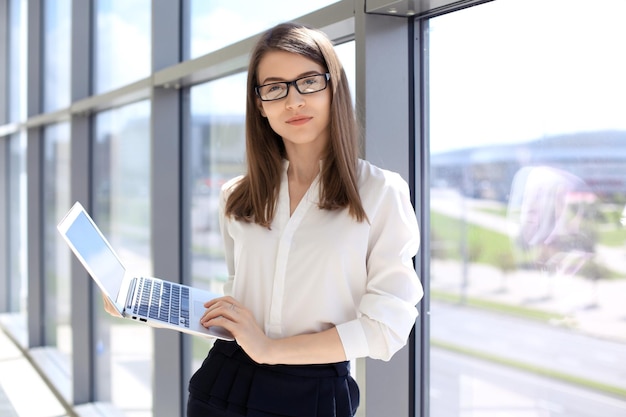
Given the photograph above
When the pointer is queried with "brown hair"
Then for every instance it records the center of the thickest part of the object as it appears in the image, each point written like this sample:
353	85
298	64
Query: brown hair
254	197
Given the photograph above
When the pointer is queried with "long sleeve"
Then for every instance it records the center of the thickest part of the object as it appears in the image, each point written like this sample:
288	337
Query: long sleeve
227	239
387	310
315	269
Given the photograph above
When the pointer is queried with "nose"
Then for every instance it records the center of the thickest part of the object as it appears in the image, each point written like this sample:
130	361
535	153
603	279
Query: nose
294	99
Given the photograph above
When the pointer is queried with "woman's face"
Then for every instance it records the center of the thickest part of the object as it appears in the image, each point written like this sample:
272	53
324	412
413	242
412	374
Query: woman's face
302	120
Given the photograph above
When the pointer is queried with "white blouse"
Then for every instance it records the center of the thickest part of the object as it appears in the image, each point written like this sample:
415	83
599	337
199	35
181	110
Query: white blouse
318	268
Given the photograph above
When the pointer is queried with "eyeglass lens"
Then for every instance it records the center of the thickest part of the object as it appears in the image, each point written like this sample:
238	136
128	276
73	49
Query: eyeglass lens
306	85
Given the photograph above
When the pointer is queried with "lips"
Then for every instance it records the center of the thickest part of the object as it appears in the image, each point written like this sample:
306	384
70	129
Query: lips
298	120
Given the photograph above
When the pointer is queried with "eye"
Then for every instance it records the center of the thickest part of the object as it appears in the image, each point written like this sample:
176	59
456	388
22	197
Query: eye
274	88
273	91
310	84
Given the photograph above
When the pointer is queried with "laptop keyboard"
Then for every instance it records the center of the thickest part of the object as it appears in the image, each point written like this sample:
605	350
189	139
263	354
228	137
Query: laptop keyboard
164	301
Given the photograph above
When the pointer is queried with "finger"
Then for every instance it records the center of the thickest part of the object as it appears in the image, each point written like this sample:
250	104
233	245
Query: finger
221	321
218	300
222	309
223	306
214	309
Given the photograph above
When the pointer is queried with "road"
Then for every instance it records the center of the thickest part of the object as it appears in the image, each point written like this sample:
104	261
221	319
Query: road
463	386
466	387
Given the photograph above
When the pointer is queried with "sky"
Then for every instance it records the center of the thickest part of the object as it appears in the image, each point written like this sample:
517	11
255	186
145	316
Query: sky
516	70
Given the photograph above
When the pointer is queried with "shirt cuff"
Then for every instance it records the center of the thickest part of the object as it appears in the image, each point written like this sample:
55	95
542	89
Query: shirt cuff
353	339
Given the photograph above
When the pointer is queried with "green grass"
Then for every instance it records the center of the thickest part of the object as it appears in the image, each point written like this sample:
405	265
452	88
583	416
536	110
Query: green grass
484	245
498	211
493	248
512	310
614	238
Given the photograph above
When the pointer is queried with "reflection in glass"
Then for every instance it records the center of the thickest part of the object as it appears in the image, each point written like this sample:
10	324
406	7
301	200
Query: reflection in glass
528	186
215	154
56	54
217	23
58	331
122	51
550	212
121	184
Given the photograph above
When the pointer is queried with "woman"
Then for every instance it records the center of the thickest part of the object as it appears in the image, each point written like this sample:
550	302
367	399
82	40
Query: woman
318	243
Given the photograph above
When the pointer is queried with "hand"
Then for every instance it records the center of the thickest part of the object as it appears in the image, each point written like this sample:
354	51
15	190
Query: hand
109	307
228	313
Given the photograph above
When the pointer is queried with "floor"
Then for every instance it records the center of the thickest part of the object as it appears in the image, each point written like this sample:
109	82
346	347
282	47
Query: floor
23	393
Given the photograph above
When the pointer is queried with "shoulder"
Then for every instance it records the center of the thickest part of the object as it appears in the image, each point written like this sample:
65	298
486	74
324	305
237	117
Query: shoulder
229	186
382	191
372	179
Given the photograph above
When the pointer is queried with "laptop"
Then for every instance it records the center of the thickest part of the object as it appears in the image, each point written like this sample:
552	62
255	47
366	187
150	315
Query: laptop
149	300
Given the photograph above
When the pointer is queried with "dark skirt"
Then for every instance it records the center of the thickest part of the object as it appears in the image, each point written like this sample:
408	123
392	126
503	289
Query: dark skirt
230	384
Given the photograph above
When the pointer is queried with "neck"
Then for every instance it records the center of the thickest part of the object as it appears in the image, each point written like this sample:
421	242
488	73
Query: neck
303	171
304	164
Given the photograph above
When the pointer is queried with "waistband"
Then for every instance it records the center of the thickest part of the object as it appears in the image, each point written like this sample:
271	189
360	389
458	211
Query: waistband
234	351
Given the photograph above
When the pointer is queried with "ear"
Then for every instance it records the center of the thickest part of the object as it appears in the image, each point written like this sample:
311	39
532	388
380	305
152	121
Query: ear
259	105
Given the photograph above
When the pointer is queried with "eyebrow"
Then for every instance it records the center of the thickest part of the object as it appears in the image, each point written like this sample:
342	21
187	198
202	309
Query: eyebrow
270	80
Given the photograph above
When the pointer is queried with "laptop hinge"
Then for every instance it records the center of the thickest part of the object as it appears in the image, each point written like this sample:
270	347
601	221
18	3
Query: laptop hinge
130	295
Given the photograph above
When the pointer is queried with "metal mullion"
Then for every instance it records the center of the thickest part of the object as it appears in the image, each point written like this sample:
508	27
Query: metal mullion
137	91
421	192
9	129
231	59
83	343
4	62
44	119
34	152
383	53
4	225
167	211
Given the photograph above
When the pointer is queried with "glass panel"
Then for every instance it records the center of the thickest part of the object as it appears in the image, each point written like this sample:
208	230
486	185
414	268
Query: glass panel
57	41
121	184
122	49
528	180
215	153
347	54
18	266
57	326
217	23
17	60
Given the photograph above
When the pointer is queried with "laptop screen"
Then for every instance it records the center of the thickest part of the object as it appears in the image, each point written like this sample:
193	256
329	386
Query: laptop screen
102	263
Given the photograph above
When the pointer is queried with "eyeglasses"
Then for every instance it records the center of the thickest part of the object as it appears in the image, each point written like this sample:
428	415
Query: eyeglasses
305	85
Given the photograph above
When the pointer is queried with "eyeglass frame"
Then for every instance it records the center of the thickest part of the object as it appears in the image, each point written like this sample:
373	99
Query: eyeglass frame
295	85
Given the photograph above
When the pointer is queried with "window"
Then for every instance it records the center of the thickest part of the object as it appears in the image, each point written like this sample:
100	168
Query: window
346	52
57	42
57	301
218	23
18	267
216	153
17	60
122	49
121	184
528	172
